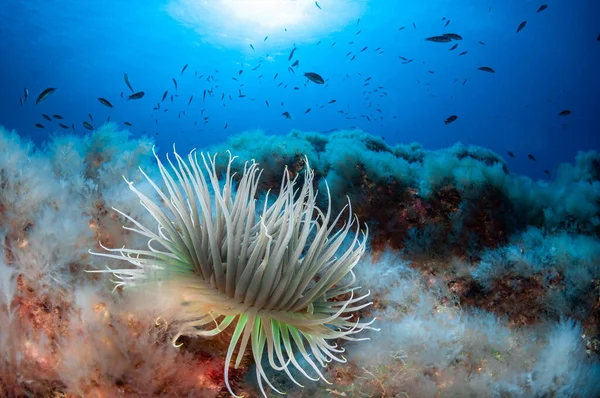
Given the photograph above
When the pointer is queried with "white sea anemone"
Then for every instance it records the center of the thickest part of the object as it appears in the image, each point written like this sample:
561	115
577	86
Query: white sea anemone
275	276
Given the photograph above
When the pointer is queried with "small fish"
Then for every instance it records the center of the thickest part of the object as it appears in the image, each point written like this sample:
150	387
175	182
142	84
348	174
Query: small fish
64	126
90	116
450	119
447	23
318	6
530	156
486	69
453	36
547	172
453	47
296	63
39	126
135	96
88	126
105	102
267	102
127	82
292	54
276	74
226	124
59	117
171	98
332	101
314	77
121	94
401	27
164	95
291	70
542	7
352	59
287	115
566	112
127	124
44	94
175	83
252	47
414	25
46	117
521	26
439	39
463	53
25	94
358	33
319	42
183	69
21	100
308	110
364	49
511	154
482	43
190	101
266	37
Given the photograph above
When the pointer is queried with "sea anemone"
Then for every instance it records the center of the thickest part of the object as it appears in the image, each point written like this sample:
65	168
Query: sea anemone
275	276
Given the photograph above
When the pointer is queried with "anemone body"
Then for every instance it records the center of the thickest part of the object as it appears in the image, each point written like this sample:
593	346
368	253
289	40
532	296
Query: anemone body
278	275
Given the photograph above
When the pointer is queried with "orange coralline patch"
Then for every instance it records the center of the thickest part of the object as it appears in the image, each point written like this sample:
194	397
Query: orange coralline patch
42	311
107	225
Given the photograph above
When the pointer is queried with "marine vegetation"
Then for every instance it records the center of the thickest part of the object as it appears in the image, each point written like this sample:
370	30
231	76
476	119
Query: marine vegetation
276	277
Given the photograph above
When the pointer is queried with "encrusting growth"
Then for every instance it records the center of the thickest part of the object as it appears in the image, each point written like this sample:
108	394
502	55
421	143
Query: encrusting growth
275	277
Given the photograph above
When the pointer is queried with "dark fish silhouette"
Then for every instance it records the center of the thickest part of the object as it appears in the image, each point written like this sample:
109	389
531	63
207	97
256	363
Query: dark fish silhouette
486	69
450	119
44	94
512	155
175	83
439	39
318	6
542	7
314	77
521	26
292	54
566	112
46	117
64	126
39	126
453	36
58	117
530	156
127	124
184	68
127	82
88	126
453	47
105	102
135	96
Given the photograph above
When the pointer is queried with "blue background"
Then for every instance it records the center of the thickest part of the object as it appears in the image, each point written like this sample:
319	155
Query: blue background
83	48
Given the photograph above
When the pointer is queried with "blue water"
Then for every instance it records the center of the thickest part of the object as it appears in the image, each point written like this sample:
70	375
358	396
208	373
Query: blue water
83	48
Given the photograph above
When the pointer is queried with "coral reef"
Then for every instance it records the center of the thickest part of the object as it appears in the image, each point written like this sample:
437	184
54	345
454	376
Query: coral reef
484	283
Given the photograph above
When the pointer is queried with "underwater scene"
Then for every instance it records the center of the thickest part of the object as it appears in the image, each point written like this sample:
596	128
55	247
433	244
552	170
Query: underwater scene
332	198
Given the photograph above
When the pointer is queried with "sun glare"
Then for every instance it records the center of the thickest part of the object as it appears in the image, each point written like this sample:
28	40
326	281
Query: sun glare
239	22
270	14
